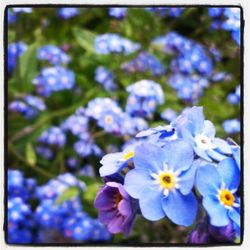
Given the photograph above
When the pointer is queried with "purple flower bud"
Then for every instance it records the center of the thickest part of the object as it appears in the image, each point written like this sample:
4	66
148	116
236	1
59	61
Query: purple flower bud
200	234
115	208
222	234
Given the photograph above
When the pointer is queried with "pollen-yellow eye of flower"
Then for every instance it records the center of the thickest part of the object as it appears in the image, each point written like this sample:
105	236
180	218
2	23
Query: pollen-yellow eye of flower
226	197
117	199
108	119
167	180
128	155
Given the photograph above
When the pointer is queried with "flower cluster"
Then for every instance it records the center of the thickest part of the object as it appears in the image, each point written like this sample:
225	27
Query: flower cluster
112	119
29	107
144	96
227	19
68	218
114	43
158	177
53	79
143	62
105	78
53	55
191	65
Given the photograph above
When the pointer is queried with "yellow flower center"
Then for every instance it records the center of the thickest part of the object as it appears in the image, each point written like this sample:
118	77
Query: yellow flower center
108	119
226	197
117	199
167	180
128	155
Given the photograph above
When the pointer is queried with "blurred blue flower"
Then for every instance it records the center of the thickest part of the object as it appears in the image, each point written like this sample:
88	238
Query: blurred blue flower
161	174
53	79
234	97
105	78
66	13
45	152
11	16
86	148
53	136
218	186
231	126
15	50
168	115
109	43
143	62
144	97
118	13
20	10
53	55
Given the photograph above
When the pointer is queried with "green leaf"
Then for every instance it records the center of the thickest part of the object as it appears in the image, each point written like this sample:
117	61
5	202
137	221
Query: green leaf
69	194
85	38
30	154
28	66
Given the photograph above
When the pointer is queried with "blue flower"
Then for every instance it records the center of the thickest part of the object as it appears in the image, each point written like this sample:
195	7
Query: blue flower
231	126
192	126
53	79
15	50
105	78
53	136
109	43
114	162
168	115
218	186
143	62
161	182
66	13
52	54
22	10
118	13
144	97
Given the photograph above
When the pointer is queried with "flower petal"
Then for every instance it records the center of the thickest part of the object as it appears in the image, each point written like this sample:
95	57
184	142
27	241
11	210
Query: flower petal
150	204
209	129
230	173
202	153
217	212
181	209
208	180
234	216
222	145
196	116
149	157
136	182
179	154
187	178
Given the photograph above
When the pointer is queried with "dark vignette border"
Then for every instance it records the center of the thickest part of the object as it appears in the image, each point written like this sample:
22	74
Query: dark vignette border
5	39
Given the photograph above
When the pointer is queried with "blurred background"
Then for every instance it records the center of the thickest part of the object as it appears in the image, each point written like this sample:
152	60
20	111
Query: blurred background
71	100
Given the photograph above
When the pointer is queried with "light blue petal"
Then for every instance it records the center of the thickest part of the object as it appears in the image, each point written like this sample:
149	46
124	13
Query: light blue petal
229	172
209	129
110	164
196	116
187	178
179	154
150	204
217	156
202	153
222	145
217	212
181	209
149	157
136	182
208	180
236	155
146	133
234	216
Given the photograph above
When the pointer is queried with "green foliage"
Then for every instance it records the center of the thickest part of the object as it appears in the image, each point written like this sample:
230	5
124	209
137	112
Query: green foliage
69	194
